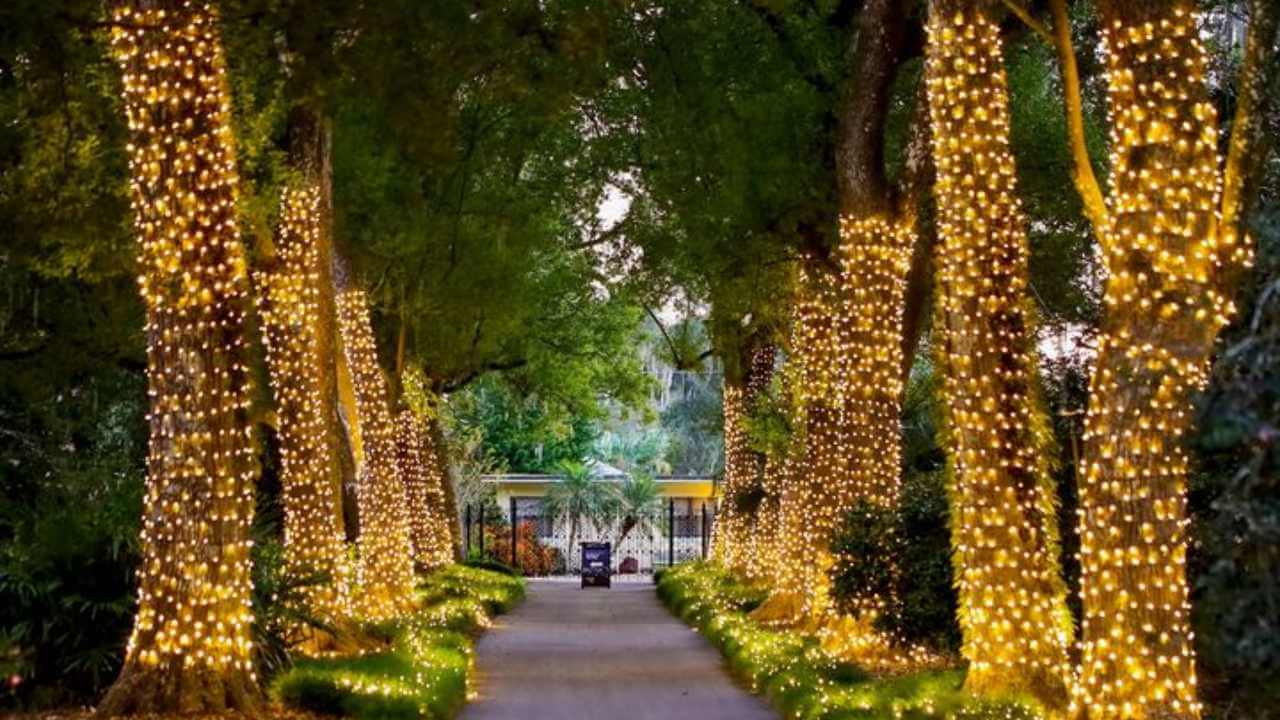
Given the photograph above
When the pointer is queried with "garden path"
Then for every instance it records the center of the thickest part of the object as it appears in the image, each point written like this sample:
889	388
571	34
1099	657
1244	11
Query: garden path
617	654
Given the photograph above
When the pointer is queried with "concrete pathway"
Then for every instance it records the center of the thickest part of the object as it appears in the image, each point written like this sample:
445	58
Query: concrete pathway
616	654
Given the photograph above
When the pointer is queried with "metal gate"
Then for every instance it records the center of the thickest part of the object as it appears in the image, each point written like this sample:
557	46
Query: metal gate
523	531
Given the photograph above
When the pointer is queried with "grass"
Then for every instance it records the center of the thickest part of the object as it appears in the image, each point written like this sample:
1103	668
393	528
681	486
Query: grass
800	679
422	672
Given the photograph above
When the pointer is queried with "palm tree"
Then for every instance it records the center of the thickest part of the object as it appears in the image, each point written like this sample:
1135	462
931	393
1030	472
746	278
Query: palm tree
638	503
577	496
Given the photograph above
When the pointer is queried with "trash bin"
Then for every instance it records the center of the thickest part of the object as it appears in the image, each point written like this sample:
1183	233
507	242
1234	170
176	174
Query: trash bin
597	564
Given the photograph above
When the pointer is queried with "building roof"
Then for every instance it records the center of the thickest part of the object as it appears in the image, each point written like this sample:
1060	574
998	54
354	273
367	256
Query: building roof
546	478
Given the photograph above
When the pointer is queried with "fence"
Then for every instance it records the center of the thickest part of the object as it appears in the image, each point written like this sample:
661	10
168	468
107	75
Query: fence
649	545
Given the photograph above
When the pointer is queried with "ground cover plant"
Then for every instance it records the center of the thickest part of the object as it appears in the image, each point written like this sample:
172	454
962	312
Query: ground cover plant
422	669
797	676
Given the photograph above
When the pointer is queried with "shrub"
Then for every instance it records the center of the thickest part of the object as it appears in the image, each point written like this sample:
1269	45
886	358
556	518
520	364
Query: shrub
797	676
485	563
906	556
532	557
422	673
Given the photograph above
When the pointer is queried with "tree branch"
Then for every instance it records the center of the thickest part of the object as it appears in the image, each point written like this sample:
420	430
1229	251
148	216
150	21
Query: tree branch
1095	207
1240	174
913	191
863	109
671	345
677	360
1029	20
466	378
605	237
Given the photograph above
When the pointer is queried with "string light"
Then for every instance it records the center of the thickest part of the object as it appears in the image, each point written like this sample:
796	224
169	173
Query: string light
194	583
848	350
1165	255
386	556
1012	600
429	528
424	402
742	465
289	305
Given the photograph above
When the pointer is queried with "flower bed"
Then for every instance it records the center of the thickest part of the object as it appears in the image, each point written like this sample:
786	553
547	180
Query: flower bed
795	674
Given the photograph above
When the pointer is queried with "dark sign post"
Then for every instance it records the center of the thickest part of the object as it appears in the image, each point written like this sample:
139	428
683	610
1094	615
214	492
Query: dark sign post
482	529
704	530
467	522
671	532
515	561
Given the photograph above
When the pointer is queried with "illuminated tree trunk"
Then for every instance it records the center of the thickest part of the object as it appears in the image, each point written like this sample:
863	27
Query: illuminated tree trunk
848	342
420	469
386	553
288	297
1013	610
1164	305
440	451
190	650
743	466
310	139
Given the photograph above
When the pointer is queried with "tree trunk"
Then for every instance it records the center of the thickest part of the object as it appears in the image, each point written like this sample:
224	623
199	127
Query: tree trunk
386	555
440	452
1165	302
742	465
310	138
1013	612
288	290
191	648
428	520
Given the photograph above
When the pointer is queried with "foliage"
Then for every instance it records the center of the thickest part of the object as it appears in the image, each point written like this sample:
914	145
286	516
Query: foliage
641	451
532	557
498	592
522	432
578	496
1236	493
865	547
694	425
796	675
422	673
493	565
71	473
639	503
280	619
918	583
768	421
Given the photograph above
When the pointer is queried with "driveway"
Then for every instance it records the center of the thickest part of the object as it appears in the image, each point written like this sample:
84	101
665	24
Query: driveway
615	654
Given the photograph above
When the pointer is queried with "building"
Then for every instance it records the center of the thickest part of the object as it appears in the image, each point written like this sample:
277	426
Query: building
682	528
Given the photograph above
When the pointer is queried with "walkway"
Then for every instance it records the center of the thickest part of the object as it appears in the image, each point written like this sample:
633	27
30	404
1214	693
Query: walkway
615	654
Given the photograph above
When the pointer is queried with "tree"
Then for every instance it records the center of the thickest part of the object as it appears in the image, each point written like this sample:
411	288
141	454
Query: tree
289	306
1169	232
577	496
430	516
190	650
744	466
1013	612
386	551
639	503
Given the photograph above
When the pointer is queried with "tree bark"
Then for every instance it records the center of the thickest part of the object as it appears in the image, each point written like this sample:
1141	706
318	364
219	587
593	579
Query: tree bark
1171	270
429	522
310	141
288	286
386	555
1012	599
849	382
440	450
742	465
191	649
